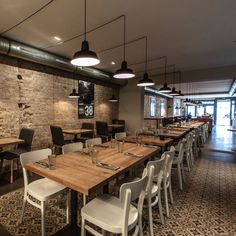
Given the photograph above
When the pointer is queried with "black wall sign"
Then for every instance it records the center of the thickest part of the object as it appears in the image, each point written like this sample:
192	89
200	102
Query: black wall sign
86	100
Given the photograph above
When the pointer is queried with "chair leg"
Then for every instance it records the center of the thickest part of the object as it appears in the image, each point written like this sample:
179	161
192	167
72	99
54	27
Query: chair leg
180	177
188	161
170	192
1	166
68	208
84	199
150	217
160	208
82	227
166	200
182	171
43	218
23	207
12	171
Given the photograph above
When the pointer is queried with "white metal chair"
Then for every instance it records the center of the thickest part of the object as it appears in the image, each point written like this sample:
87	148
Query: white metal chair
167	178
120	135
178	164
93	141
117	215
72	147
43	189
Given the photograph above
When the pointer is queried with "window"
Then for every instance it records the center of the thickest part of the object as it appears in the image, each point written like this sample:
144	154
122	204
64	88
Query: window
152	106
163	110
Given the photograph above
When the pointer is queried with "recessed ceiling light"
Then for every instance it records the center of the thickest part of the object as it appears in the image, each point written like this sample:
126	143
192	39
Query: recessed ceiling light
57	38
113	63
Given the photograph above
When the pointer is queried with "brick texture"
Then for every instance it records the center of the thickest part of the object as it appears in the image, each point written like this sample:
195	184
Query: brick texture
40	99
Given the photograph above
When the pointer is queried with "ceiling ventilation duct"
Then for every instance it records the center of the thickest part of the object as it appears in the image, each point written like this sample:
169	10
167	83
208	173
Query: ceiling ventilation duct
29	53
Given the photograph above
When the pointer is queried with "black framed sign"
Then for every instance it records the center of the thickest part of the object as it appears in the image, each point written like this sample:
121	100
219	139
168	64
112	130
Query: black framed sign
86	100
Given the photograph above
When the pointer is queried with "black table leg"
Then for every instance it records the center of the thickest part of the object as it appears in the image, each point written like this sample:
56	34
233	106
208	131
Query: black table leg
72	229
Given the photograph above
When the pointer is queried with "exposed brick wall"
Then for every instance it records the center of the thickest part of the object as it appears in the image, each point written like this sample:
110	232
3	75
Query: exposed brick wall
47	98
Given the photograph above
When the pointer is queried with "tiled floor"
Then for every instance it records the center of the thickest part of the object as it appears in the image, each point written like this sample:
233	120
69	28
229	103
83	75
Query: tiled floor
206	206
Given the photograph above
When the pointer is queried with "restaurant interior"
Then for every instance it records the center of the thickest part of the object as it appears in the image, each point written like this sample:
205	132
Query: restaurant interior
117	118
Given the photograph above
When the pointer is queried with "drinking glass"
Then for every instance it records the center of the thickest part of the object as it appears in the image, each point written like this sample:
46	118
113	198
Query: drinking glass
52	162
113	143
94	156
120	146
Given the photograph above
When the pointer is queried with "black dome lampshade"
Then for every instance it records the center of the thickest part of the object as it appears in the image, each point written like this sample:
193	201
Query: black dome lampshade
74	94
173	92
146	81
165	88
113	99
85	57
124	72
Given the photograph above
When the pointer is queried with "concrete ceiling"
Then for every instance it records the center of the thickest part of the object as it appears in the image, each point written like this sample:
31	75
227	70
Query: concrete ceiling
194	35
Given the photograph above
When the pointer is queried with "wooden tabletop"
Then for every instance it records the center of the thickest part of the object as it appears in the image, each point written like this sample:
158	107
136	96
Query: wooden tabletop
151	140
170	133
116	125
76	171
194	124
10	141
76	131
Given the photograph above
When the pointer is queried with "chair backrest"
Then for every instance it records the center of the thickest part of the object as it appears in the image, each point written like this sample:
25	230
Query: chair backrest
169	160
93	141
72	147
57	135
27	135
120	135
87	125
102	128
181	151
159	166
33	157
132	191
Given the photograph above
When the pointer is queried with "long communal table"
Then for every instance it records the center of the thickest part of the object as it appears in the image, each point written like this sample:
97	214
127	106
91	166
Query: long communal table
76	171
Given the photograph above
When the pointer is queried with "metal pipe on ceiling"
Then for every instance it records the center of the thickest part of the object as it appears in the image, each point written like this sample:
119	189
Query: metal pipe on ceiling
19	50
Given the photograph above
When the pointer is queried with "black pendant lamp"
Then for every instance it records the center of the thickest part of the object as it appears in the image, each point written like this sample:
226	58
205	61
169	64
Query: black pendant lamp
165	88
124	72
73	94
146	81
113	98
180	93
173	91
85	57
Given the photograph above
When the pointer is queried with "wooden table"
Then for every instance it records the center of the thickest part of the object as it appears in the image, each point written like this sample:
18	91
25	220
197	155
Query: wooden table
170	133
76	171
195	124
10	141
151	140
116	126
75	132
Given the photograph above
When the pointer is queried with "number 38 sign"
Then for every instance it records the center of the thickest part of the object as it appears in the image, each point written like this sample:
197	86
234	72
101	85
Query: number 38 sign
86	100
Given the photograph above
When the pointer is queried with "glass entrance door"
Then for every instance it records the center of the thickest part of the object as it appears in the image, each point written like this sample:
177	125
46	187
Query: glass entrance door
223	112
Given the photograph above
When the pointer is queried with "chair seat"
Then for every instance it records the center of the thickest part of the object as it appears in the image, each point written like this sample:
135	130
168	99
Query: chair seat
44	189
107	212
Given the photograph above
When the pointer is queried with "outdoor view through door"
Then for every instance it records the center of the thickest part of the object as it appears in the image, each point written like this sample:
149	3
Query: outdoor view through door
223	112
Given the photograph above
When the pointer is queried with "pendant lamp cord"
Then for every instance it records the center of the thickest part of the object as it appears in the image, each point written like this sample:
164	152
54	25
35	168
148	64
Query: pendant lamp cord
85	18
180	80
165	67
146	53
173	75
124	37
